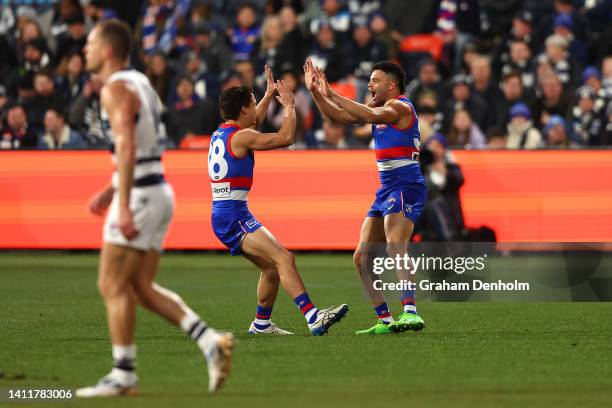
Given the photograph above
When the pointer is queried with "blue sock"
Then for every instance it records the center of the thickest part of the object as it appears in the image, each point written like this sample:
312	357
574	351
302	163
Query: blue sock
262	318
382	311
408	301
306	307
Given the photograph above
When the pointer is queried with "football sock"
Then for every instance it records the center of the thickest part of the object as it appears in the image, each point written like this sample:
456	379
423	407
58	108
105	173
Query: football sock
382	311
306	307
408	301
262	318
124	362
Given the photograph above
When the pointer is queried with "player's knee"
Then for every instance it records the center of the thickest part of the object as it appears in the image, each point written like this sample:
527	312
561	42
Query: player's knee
284	257
144	293
272	274
110	288
357	255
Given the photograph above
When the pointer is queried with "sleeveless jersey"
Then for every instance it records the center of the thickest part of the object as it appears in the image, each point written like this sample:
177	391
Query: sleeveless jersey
397	151
230	177
150	133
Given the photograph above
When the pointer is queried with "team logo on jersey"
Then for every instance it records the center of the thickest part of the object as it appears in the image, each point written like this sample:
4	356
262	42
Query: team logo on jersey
220	190
381	126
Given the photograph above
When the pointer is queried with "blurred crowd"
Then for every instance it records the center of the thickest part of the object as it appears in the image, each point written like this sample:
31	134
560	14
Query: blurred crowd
513	74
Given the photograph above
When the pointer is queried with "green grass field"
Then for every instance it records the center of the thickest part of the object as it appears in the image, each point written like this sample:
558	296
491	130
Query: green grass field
53	335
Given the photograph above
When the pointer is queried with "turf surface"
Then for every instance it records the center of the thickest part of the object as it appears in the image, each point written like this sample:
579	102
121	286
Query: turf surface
53	335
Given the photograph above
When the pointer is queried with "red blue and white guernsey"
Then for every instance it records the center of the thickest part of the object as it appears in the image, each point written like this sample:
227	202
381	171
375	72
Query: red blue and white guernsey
231	178
397	157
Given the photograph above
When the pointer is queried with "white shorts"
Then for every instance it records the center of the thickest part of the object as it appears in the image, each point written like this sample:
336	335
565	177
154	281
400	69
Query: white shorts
152	209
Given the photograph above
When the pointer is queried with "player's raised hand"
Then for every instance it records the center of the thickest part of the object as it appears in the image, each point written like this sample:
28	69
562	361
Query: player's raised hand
309	75
270	84
285	96
322	83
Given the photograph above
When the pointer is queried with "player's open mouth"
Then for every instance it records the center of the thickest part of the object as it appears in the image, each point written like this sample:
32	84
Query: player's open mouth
373	94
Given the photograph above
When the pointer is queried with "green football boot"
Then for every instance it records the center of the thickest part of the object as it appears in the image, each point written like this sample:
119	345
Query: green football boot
383	328
413	321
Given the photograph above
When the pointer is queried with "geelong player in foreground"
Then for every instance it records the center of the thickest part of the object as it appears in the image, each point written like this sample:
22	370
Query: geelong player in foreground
141	206
230	166
400	199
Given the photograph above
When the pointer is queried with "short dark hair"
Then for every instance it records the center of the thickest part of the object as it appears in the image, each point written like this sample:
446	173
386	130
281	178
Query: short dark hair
233	100
119	35
58	110
391	68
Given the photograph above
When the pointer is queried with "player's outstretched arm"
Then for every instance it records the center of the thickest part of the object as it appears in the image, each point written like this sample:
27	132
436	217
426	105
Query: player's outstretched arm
325	105
391	112
250	139
122	106
262	106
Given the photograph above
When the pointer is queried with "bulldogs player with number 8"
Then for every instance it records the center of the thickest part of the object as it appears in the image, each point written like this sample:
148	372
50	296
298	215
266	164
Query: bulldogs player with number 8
230	166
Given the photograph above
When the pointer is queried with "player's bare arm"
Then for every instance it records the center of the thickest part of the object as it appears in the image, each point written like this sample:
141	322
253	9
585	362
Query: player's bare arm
250	139
393	111
326	106
122	106
262	106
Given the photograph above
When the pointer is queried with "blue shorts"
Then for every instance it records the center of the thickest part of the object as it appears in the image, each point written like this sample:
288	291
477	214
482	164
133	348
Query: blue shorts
232	227
407	198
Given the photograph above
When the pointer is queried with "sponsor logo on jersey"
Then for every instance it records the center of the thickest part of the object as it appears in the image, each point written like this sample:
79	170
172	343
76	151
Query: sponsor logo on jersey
381	126
221	190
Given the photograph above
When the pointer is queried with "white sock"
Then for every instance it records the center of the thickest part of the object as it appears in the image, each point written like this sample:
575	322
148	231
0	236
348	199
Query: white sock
124	362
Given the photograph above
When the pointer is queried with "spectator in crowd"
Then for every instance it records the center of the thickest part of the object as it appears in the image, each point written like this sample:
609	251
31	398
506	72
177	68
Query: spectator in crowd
464	133
429	111
564	25
193	39
556	133
327	54
587	124
521	62
442	218
295	42
58	135
3	104
428	80
557	56
552	101
364	52
512	93
483	84
70	76
73	39
383	34
567	7
522	31
44	98
245	33
332	136
462	98
496	138
17	134
35	58
190	115
84	115
521	132
333	15
160	75
270	49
